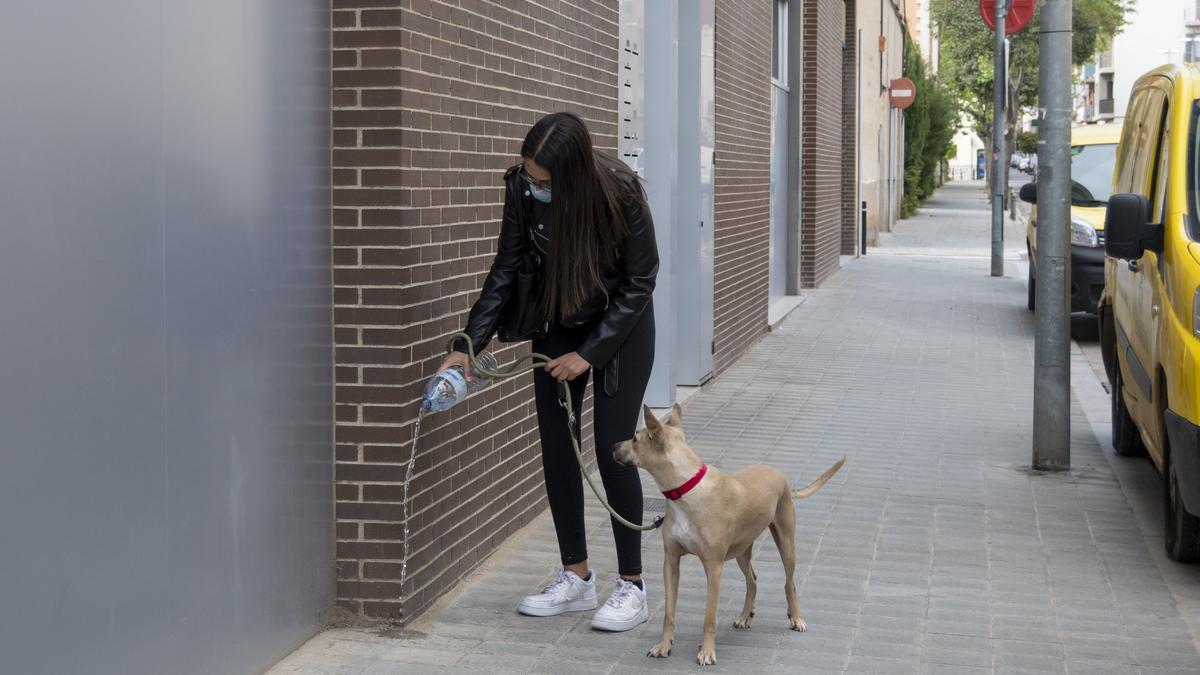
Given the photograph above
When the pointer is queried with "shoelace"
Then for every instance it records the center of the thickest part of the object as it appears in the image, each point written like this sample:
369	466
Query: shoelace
622	591
558	583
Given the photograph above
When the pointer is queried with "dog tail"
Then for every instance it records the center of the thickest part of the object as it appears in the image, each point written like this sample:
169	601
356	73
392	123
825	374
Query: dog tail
819	482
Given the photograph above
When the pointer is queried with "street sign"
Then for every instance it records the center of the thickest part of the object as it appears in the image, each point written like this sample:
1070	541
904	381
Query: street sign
1019	14
902	92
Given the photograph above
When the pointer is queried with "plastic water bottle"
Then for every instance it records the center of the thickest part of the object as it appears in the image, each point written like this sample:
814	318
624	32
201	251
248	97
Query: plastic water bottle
451	386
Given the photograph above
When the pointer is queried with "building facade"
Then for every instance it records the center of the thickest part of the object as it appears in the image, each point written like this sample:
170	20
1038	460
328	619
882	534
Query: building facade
918	16
881	30
167	406
722	106
1156	32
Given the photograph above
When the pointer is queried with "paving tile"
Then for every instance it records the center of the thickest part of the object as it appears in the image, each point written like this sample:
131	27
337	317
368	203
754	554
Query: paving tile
932	551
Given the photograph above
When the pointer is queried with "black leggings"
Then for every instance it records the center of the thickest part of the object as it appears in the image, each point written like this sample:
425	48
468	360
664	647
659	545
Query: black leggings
615	420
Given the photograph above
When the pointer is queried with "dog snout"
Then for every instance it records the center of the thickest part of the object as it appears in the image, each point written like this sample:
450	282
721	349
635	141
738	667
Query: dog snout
618	453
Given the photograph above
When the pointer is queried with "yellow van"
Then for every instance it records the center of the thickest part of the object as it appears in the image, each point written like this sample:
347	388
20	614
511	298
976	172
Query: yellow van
1150	310
1093	153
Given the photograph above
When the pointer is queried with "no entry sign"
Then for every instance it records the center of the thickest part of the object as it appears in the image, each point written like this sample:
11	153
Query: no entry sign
902	92
1019	14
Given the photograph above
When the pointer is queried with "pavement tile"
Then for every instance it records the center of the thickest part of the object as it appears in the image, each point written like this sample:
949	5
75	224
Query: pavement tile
932	551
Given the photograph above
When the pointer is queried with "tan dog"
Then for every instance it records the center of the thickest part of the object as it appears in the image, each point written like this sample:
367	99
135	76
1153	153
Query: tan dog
716	517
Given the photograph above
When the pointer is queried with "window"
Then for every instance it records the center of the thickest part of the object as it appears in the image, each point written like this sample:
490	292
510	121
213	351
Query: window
779	44
1159	180
1092	172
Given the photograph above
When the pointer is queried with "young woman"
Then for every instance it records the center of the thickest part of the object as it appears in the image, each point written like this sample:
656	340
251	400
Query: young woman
574	272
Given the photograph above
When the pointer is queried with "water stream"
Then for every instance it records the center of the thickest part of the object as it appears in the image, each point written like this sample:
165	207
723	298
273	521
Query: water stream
404	504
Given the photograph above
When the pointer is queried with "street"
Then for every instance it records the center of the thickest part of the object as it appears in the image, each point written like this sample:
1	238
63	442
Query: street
935	550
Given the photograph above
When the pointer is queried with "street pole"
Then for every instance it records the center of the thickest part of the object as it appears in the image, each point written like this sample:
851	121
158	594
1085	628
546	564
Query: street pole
998	160
1052	364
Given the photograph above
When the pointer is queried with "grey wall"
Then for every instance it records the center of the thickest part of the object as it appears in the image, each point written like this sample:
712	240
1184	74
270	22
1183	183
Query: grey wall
165	347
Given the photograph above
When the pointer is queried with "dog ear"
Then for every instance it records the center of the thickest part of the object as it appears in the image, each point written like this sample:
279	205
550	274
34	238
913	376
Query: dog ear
675	417
652	422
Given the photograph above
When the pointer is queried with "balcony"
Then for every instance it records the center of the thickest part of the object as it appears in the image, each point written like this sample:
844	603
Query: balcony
1105	107
1104	62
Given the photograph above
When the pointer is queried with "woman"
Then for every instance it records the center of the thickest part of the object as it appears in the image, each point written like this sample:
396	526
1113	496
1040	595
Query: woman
574	272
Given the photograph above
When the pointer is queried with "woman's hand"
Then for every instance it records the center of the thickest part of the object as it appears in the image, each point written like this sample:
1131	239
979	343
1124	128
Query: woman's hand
457	359
567	367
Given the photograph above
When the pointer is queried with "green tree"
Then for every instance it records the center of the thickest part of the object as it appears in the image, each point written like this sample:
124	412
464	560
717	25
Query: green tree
929	125
966	67
1027	142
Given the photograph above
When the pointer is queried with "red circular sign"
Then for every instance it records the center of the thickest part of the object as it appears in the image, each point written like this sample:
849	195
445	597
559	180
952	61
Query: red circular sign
902	92
1019	14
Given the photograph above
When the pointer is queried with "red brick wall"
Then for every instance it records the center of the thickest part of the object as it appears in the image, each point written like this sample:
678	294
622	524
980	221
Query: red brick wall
431	100
743	175
821	144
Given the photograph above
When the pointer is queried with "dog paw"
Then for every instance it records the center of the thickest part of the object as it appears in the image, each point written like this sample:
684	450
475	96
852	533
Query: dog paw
798	624
659	651
706	657
743	622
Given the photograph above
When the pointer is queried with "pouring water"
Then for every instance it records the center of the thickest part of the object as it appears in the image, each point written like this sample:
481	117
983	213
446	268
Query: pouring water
445	389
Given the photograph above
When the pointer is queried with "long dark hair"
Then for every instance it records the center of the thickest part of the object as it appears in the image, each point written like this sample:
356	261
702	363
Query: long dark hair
589	191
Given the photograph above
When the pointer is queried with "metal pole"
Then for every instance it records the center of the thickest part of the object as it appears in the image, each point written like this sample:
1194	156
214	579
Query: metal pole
998	89
863	226
1052	359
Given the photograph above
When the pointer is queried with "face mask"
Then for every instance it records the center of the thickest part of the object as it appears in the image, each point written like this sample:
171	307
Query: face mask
539	194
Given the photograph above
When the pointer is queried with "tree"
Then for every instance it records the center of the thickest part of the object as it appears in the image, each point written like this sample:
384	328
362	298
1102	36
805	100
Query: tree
928	130
1027	142
966	55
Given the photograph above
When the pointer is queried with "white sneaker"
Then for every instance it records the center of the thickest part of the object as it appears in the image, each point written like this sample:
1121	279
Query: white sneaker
568	593
625	609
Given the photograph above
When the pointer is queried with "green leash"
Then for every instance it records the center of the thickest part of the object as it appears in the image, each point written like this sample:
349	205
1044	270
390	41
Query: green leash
537	361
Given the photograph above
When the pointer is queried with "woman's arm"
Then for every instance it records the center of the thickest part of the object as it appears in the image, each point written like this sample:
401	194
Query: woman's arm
485	314
638	266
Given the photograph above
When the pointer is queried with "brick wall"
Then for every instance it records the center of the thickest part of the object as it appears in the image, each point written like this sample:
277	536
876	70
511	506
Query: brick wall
850	130
431	100
743	175
821	143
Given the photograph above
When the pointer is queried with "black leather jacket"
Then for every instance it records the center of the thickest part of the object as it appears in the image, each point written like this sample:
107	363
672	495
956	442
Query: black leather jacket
614	310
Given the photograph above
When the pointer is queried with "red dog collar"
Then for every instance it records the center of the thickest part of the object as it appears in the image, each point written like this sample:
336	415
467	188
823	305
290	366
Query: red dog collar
686	487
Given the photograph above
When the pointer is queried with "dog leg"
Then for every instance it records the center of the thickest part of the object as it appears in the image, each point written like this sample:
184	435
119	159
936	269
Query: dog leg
784	534
713	567
743	560
671	587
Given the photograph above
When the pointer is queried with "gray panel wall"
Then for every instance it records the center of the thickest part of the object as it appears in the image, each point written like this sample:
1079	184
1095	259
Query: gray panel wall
165	347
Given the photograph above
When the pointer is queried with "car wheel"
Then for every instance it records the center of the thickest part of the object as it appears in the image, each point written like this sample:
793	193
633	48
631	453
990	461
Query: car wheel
1030	302
1125	438
1181	529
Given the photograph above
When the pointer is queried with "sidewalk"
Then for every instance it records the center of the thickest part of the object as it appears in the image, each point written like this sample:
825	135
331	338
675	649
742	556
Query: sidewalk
935	550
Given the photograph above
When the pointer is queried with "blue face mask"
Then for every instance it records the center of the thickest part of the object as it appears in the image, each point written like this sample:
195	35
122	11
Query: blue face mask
539	194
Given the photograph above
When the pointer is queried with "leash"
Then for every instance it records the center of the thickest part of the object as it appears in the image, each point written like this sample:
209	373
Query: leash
538	361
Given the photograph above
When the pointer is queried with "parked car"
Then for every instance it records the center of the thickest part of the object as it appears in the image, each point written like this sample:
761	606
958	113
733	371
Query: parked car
1093	155
1150	309
1015	160
1023	163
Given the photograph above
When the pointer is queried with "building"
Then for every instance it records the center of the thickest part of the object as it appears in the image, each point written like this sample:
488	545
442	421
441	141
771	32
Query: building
721	107
881	30
1171	28
167	401
969	161
918	16
252	232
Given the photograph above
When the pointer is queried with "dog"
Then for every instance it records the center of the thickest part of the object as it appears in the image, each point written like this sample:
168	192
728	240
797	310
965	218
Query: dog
716	517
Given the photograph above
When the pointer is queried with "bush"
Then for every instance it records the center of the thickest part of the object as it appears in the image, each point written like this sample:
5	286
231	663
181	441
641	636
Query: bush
929	125
1027	143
